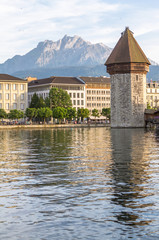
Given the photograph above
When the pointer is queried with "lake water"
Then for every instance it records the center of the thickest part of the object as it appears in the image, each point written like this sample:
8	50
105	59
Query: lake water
90	183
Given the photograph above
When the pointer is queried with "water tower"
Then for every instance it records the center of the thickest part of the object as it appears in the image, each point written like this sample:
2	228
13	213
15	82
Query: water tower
127	66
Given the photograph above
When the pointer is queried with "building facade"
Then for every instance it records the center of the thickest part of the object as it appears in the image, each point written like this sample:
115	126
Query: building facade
127	66
85	92
97	93
152	94
75	87
13	93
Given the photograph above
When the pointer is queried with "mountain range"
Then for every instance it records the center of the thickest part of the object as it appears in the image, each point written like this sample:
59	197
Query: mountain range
69	56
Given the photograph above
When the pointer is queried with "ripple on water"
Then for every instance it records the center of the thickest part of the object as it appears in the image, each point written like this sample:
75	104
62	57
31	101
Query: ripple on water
79	184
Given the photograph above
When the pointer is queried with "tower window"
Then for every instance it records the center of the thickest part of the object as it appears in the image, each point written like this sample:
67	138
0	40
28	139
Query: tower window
137	77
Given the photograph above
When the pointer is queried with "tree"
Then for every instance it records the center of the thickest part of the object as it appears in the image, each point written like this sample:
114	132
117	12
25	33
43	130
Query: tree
44	113
47	102
31	113
106	112
59	113
95	113
37	102
15	114
83	113
59	98
41	102
3	114
71	113
148	106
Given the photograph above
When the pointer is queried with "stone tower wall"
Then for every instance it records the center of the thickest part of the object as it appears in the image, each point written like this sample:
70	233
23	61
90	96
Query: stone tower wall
128	100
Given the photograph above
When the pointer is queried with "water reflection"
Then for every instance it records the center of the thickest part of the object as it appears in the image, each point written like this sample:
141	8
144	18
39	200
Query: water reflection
92	183
130	171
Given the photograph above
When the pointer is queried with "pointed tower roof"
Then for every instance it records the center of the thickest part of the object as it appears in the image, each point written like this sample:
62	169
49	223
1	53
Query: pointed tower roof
127	50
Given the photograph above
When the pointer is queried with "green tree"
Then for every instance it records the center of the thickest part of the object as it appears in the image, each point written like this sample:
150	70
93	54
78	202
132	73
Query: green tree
3	114
106	112
15	114
148	106
59	98
41	102
44	113
60	113
37	102
71	113
31	113
47	102
83	113
95	113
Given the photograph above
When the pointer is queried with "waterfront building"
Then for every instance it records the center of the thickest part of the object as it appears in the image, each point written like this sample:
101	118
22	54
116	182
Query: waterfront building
74	86
13	93
127	66
152	94
97	93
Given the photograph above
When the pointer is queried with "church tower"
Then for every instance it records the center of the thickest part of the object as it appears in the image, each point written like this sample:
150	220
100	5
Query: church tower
127	66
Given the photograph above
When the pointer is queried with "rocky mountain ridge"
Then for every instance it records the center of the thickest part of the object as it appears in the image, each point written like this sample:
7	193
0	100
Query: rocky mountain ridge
69	56
68	51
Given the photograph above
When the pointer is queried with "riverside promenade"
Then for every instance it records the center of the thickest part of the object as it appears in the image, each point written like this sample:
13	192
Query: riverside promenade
47	126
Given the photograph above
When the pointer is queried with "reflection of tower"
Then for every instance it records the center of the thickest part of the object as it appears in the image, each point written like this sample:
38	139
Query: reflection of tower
130	176
127	66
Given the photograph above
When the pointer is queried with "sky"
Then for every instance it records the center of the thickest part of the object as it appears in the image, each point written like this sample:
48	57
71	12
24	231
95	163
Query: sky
25	23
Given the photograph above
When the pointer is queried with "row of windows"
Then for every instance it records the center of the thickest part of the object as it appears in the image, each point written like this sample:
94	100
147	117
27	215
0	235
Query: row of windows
69	87
78	102
152	97
43	95
14	86
14	106
78	95
153	90
98	105
98	98
7	96
97	92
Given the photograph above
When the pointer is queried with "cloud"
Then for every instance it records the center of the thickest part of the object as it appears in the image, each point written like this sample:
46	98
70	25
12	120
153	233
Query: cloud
25	23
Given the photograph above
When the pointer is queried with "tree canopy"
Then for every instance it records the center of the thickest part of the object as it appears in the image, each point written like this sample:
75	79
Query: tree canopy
71	113
106	112
3	113
59	113
59	98
44	113
15	114
83	113
31	113
95	113
37	102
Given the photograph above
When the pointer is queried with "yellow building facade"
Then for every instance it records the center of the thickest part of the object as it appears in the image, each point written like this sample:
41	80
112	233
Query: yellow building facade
13	93
152	94
97	93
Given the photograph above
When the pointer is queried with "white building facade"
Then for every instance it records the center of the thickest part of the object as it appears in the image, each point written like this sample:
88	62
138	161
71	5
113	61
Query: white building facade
75	87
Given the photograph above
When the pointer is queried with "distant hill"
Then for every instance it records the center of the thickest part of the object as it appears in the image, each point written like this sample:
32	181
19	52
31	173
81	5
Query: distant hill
98	70
69	56
94	71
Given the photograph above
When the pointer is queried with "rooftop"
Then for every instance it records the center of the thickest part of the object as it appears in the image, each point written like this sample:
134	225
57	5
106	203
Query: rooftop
6	77
96	79
127	50
56	80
